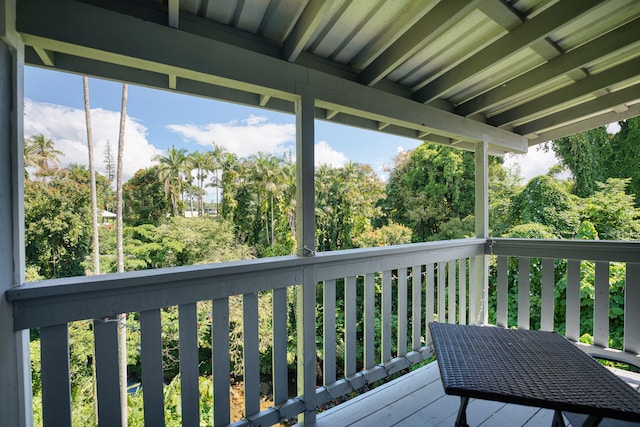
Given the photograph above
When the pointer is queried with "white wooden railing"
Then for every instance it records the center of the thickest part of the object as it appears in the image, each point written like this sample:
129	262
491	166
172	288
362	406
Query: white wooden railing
445	291
573	252
51	305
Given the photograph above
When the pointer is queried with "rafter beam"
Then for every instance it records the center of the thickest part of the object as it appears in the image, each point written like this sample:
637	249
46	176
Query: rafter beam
590	123
427	29
609	101
264	99
46	56
589	85
563	64
174	13
306	26
520	38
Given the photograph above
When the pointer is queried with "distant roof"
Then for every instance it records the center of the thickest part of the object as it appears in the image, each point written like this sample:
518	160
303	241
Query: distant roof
107	214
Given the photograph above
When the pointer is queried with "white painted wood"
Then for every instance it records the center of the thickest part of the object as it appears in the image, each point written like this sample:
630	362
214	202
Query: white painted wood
220	361
548	284
305	193
151	358
524	293
386	316
107	378
329	331
350	317
631	312
453	292
306	321
442	296
573	300
250	354
502	300
280	341
601	305
402	311
462	291
15	367
430	299
369	321
416	300
474	309
54	374
189	372
480	285
568	249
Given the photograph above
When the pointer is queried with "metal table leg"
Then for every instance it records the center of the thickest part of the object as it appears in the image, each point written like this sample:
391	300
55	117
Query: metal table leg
461	421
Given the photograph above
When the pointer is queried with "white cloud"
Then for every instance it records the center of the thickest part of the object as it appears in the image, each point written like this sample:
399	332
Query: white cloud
67	127
244	138
326	155
534	163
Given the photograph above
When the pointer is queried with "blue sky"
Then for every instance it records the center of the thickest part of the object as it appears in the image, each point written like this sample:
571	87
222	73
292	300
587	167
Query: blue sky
157	120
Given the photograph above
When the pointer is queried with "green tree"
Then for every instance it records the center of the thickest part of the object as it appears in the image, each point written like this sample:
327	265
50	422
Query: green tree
144	199
40	152
430	186
170	173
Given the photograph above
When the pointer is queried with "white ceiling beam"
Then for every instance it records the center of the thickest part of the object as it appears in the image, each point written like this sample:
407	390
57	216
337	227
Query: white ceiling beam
264	99
590	123
174	13
173	81
609	101
331	114
147	46
594	84
520	38
311	18
46	56
563	64
427	29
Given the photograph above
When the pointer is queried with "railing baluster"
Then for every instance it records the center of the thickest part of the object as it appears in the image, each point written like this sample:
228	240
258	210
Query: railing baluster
631	312
329	331
548	283
280	340
473	292
369	321
601	305
220	353
386	316
189	372
107	372
462	290
54	374
151	355
430	299
573	300
416	313
251	354
350	325
502	300
402	311
452	291
442	296
524	293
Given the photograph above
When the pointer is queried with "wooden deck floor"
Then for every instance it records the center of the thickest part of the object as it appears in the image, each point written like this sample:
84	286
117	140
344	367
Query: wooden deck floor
418	399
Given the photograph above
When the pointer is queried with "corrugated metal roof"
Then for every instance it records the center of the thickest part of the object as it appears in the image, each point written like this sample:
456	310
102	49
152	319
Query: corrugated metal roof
538	68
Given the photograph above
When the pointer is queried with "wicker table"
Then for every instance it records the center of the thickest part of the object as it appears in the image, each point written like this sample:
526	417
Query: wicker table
533	368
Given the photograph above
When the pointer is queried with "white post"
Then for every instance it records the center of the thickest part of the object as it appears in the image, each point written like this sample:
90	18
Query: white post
15	368
479	313
305	236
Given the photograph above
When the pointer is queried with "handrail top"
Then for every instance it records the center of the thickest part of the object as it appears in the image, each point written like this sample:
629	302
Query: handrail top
141	278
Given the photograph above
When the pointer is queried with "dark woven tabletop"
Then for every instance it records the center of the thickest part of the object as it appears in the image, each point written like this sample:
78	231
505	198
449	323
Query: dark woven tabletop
534	368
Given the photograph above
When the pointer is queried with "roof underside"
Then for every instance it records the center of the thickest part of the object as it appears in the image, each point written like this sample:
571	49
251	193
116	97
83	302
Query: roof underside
511	73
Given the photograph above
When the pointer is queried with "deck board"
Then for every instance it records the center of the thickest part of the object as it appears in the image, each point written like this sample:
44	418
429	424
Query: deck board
418	399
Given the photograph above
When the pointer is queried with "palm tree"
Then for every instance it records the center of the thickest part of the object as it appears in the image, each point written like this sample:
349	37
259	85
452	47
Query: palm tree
40	153
267	176
170	174
122	318
92	173
218	157
202	162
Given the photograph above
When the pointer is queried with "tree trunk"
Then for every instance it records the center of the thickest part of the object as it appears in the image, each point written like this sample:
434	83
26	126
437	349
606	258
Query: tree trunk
94	212
122	318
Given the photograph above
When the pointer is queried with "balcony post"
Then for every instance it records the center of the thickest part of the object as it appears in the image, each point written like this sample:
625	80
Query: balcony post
15	366
478	303
306	238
